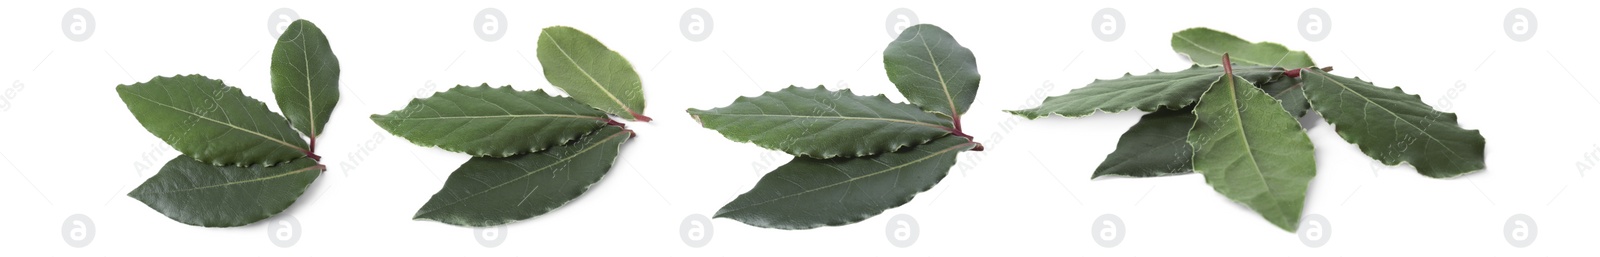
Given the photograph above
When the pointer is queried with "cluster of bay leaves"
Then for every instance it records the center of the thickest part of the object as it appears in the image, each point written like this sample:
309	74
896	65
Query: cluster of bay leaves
1233	117
241	162
855	156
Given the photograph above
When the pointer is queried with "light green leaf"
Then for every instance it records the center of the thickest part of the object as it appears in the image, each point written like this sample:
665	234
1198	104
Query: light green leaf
1156	146
489	191
1205	46
932	70
1145	92
1394	127
1252	151
305	77
808	193
823	124
496	122
212	122
200	194
590	72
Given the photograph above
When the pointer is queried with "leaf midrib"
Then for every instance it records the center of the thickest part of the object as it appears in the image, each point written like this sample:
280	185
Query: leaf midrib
833	117
230	183
1245	138
494	116
585	73
1386	109
852	179
1161	82
311	101
299	42
230	125
580	152
1209	50
944	85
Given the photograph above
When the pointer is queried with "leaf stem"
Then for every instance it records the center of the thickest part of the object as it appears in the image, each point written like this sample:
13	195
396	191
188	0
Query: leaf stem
640	117
1227	65
624	126
312	152
612	122
313	156
957	132
1295	73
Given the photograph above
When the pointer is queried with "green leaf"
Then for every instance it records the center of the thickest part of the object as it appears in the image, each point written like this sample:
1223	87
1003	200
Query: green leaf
590	72
496	122
212	122
1394	127
1290	95
823	124
1156	146
1205	46
1252	151
200	194
1147	92
932	70
808	193
305	77
492	191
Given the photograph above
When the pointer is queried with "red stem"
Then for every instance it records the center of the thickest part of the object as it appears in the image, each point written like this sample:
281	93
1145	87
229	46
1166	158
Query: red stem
615	123
957	131
1227	64
640	117
312	152
313	156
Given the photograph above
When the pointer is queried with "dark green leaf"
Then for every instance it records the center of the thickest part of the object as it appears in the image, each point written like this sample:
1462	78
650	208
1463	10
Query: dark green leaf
1290	95
1205	47
932	70
808	193
823	124
590	72
496	122
1156	146
1394	127
489	191
1252	151
305	77
212	122
200	194
1147	92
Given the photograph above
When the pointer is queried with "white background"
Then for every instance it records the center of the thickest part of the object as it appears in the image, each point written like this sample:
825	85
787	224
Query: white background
71	147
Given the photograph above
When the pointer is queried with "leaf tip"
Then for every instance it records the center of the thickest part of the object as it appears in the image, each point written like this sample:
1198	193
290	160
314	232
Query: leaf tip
1028	114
